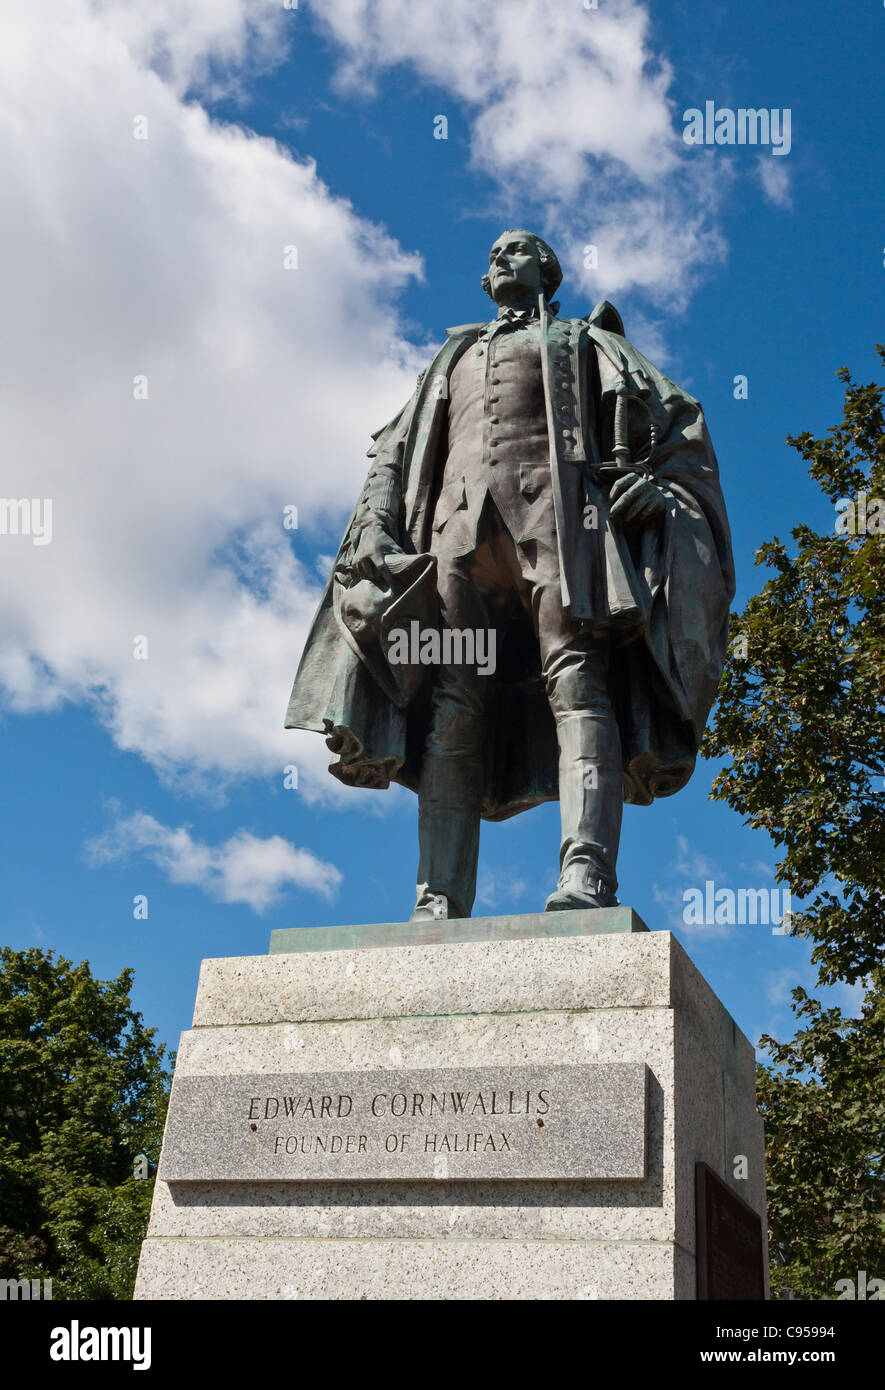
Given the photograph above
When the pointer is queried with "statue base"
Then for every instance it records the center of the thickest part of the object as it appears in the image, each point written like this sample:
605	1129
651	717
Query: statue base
552	1106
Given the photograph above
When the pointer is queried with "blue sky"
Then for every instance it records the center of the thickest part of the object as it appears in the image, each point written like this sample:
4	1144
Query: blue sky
163	258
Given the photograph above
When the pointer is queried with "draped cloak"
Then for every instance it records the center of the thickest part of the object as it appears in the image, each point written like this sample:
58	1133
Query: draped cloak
662	595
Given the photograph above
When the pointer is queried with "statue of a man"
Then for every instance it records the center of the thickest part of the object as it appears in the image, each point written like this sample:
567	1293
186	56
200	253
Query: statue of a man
548	503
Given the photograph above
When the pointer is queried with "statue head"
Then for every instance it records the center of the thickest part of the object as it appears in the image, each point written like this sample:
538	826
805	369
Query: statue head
521	266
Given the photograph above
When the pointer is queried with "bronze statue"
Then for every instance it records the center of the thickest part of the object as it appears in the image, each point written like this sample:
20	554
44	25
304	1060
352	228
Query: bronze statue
531	599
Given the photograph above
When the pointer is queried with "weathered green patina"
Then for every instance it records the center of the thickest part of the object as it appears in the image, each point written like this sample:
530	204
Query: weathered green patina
641	564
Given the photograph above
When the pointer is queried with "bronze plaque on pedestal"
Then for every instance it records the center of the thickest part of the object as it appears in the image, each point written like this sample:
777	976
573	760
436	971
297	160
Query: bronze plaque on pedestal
730	1261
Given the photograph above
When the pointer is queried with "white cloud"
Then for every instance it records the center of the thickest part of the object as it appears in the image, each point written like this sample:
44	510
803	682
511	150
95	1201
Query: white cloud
774	175
190	42
549	84
692	864
779	984
670	899
570	112
761	868
850	997
497	888
164	257
690	872
244	869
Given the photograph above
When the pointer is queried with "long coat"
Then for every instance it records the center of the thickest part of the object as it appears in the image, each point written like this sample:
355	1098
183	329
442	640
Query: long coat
663	596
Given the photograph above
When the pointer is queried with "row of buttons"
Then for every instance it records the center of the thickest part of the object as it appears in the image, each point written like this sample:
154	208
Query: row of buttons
493	378
563	394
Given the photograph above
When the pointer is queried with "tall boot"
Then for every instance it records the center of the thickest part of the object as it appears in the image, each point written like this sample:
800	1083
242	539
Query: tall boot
449	805
591	800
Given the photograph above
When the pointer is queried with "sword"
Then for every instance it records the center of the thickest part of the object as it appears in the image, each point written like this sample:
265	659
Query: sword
622	460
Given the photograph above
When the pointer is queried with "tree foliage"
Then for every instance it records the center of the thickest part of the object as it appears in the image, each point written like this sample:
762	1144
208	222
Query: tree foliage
801	725
83	1091
824	1110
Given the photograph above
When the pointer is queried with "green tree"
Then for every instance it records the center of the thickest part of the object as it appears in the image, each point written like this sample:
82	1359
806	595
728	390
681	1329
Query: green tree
83	1092
801	725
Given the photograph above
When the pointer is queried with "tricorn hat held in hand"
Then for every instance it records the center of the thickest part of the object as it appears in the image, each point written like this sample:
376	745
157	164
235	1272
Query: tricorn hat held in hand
367	614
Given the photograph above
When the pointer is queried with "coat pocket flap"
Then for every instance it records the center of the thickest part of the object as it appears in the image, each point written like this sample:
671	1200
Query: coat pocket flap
533	479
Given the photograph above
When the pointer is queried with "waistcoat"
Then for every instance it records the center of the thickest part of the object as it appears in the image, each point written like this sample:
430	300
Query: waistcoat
496	402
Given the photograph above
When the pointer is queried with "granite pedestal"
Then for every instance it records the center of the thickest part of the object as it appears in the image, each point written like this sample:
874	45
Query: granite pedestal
498	1108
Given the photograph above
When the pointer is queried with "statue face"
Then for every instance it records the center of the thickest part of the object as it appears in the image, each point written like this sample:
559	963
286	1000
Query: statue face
515	268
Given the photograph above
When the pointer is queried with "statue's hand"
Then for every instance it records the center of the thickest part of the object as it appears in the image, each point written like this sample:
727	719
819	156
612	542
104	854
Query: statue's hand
635	502
374	542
